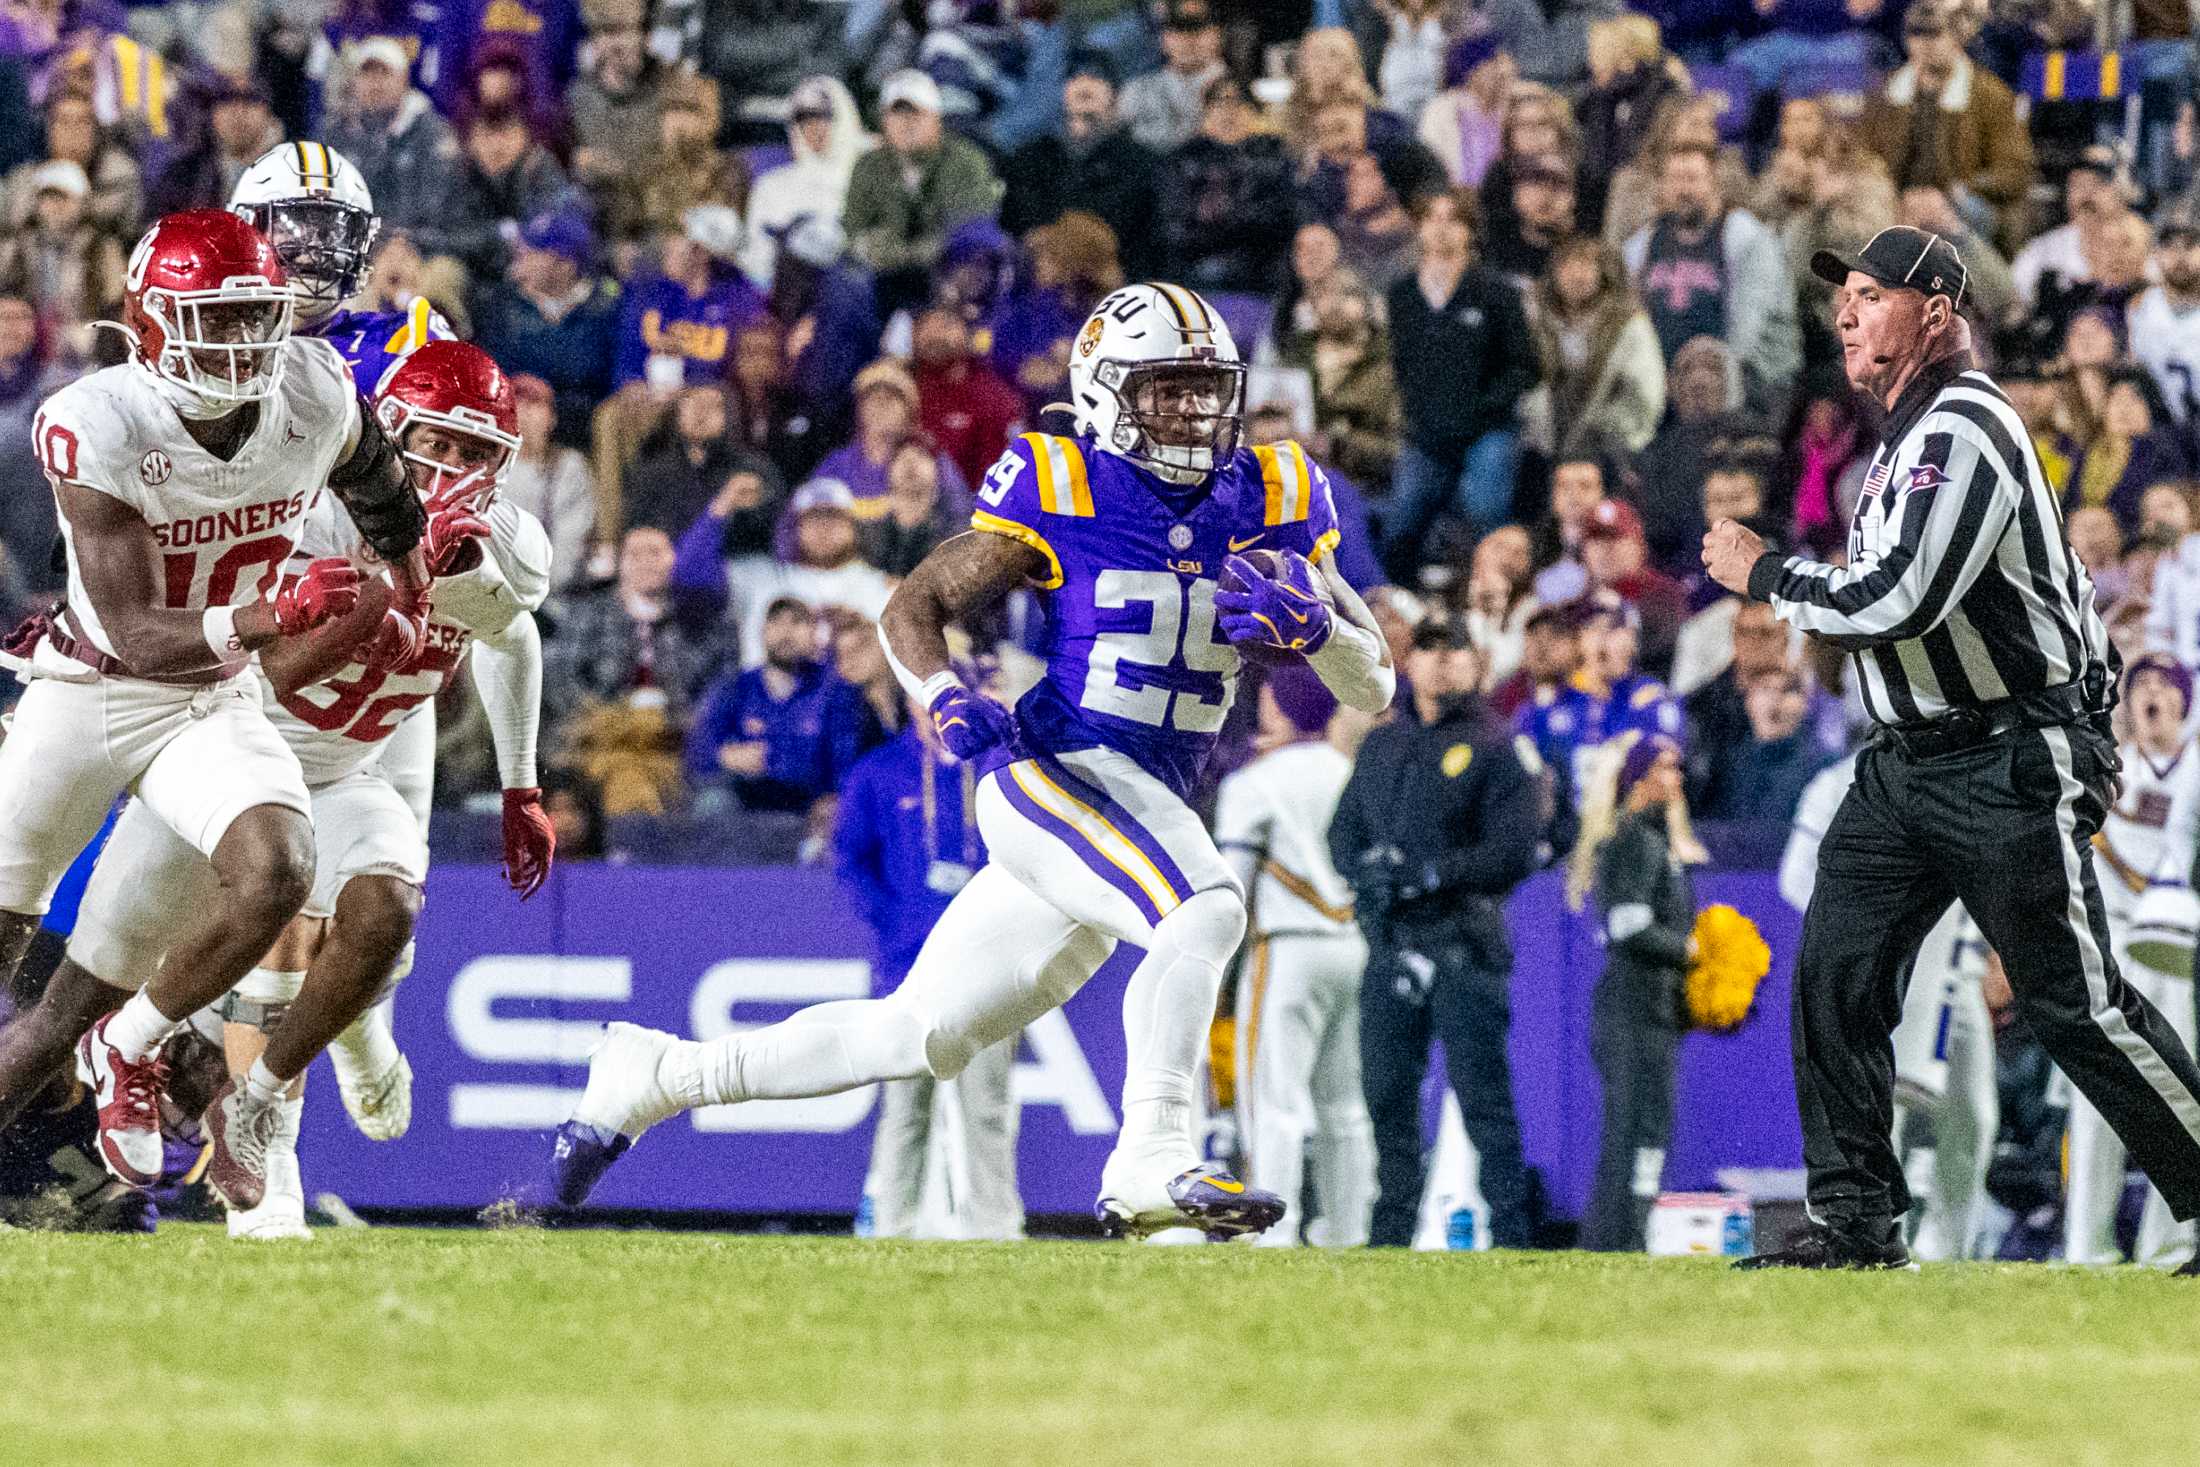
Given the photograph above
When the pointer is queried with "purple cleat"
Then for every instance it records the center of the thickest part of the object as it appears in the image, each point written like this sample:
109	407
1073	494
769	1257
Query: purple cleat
579	1157
1207	1197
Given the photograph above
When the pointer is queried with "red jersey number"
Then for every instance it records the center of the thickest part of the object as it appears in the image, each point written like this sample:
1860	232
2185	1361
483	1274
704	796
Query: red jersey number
57	449
180	570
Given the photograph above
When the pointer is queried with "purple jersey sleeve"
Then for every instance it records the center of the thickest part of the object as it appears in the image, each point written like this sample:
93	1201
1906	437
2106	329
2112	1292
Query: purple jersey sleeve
371	342
1296	501
1036	481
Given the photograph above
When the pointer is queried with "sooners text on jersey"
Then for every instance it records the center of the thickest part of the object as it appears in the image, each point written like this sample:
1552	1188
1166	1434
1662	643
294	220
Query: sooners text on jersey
224	527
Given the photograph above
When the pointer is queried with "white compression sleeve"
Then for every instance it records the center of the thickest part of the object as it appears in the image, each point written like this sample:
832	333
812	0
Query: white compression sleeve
508	676
922	689
1354	663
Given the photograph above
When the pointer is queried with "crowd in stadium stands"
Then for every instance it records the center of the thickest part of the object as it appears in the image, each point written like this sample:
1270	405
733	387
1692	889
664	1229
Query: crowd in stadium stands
778	280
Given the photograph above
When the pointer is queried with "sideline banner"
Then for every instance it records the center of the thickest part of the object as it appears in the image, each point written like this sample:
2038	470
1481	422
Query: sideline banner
506	999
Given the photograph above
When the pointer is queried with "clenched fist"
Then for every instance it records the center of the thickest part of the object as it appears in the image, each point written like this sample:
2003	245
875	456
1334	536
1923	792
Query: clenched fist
328	589
1730	549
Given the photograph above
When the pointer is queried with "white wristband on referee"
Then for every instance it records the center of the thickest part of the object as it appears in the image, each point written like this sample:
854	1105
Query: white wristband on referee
219	626
938	683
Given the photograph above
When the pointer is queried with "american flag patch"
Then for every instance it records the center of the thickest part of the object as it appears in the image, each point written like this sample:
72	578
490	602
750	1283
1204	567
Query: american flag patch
1876	480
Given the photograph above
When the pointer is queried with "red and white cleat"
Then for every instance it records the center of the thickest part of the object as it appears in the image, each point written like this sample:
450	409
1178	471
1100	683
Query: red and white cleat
128	1096
242	1129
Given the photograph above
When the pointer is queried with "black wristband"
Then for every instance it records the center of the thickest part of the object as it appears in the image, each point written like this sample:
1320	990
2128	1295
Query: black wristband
1764	576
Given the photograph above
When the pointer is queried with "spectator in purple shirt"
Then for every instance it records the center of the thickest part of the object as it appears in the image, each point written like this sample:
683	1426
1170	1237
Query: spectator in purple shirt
763	731
676	329
886	413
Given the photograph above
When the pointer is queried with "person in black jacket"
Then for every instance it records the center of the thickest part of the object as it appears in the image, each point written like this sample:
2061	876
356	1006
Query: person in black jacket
1218	198
1093	164
1646	906
1436	825
1462	356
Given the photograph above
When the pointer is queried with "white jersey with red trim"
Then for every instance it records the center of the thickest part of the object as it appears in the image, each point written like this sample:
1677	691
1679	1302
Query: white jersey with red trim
224	528
341	723
1278	810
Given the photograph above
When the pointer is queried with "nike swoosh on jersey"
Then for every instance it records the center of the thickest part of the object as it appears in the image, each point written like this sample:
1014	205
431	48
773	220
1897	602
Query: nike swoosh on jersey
1237	545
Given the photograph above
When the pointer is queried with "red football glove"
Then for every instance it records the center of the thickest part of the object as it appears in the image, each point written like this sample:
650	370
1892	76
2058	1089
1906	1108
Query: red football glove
328	589
529	841
398	642
455	528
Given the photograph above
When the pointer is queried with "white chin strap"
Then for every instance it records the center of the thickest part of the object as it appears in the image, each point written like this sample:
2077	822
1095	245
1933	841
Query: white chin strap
188	402
1179	465
308	308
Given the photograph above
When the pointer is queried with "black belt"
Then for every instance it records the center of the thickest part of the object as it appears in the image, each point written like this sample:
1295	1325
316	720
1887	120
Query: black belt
2081	700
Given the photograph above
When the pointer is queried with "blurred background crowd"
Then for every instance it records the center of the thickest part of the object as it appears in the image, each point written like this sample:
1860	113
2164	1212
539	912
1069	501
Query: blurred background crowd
779	279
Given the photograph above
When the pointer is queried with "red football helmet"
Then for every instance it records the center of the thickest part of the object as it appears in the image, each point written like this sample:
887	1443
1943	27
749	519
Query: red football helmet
207	306
458	389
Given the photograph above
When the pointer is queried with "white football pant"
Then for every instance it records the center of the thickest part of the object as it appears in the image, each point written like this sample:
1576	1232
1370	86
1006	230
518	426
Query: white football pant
1298	1054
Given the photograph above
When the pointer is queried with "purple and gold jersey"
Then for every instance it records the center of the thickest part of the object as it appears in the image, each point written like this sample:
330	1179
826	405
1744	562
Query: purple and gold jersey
371	342
1135	662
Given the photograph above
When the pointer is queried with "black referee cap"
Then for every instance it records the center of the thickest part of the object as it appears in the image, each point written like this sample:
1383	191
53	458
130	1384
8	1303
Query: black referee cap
1913	259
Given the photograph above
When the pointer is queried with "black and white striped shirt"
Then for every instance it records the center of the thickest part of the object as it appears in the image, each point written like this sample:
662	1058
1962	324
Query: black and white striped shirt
1960	587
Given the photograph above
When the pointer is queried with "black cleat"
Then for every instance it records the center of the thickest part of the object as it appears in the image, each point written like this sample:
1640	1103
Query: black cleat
1819	1246
2189	1269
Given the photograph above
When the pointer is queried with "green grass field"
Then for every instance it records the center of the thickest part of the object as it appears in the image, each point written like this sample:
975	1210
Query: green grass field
521	1348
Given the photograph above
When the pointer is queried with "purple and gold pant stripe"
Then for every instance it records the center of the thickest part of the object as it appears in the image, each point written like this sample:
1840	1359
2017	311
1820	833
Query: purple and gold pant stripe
1105	835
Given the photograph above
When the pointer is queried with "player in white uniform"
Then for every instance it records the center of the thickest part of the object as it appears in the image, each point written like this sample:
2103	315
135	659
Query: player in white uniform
1135	530
450	412
1947	1105
2134	848
183	478
318	213
1298	1010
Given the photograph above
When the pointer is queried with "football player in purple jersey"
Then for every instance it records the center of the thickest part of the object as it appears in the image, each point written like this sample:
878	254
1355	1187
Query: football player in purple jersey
1136	531
315	209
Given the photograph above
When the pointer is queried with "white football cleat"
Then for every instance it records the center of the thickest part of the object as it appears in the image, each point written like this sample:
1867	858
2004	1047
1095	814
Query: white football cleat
377	1096
281	1215
380	1106
624	1098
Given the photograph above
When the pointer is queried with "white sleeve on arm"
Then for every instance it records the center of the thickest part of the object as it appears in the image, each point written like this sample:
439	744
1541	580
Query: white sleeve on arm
1907	590
1241	827
1355	662
1814	814
508	675
2181	829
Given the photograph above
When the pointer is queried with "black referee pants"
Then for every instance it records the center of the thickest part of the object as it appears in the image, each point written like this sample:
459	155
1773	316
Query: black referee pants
2004	828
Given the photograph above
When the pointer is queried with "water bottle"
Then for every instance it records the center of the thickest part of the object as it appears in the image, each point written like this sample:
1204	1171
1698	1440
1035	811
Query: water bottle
1738	1235
1459	1233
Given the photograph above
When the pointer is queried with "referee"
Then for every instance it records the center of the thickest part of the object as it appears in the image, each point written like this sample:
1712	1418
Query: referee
1989	674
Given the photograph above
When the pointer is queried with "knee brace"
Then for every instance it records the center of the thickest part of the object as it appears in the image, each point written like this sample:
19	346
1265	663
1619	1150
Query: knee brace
259	1000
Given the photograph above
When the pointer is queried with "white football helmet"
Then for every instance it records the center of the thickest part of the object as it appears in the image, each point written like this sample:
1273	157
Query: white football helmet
315	209
1154	377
